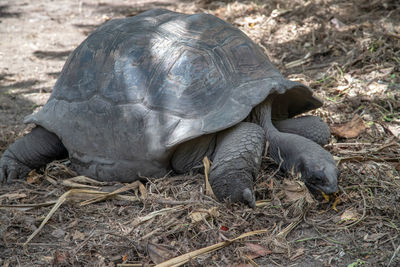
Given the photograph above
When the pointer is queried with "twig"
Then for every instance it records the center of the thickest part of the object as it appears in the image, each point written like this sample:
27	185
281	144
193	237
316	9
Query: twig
180	260
174	202
84	242
34	205
59	202
394	255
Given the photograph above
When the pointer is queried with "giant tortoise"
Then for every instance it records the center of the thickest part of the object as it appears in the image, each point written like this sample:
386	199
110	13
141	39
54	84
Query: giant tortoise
159	91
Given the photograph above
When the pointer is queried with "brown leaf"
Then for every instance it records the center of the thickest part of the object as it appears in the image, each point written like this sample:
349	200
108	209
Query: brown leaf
220	12
394	129
143	191
349	129
242	265
60	257
197	216
78	235
159	253
33	177
295	190
299	252
349	216
397	167
256	251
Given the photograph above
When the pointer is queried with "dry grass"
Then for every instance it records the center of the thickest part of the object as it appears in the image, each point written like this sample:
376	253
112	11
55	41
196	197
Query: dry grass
349	52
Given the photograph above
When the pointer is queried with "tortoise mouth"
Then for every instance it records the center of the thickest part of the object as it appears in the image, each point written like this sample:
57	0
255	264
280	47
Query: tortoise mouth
327	189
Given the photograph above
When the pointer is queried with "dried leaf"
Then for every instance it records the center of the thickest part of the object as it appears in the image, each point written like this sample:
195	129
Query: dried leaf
159	253
349	215
256	250
58	233
60	258
83	182
200	215
298	253
105	196
349	129
12	196
154	214
197	216
46	259
33	177
376	88
397	167
78	235
243	265
394	129
373	237
66	196
143	191
295	190
207	165
182	259
220	12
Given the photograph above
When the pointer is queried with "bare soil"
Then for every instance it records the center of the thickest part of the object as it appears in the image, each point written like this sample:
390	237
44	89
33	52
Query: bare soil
348	51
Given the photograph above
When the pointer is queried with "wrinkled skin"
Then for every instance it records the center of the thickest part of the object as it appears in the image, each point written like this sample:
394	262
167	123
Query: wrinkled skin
236	155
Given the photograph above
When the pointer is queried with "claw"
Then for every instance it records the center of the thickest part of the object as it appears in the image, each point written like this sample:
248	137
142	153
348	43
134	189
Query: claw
3	176
12	176
248	198
11	169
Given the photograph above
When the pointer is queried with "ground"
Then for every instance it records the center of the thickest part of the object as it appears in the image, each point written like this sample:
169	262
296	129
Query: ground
347	51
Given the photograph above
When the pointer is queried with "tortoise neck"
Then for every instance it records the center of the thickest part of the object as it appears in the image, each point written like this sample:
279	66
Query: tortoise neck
263	116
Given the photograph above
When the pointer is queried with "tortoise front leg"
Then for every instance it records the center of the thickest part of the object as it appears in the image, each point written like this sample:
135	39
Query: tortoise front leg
236	162
32	151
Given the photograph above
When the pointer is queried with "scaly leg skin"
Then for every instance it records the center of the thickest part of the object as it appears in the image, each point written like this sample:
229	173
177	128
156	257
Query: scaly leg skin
189	155
297	153
236	163
32	151
310	127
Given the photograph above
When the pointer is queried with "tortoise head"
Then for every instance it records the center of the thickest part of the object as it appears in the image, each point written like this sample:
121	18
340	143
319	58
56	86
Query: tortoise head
320	176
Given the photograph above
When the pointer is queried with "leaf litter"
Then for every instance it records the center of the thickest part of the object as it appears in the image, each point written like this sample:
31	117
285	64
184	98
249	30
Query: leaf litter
349	52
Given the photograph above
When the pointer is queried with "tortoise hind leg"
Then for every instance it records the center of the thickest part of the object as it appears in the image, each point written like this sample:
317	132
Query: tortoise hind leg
236	162
310	127
32	151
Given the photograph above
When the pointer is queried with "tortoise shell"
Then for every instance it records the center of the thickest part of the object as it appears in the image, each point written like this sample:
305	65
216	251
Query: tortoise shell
139	86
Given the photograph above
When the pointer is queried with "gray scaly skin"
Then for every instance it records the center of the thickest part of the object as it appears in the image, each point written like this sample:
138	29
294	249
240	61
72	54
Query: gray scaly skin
33	151
236	163
236	158
310	127
299	154
235	153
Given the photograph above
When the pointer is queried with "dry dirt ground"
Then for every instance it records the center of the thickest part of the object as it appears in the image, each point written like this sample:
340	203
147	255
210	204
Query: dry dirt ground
348	51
